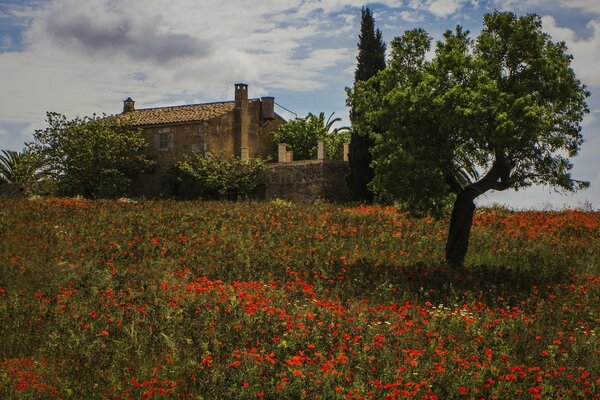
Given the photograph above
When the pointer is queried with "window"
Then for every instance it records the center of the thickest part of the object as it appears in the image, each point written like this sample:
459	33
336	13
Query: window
163	141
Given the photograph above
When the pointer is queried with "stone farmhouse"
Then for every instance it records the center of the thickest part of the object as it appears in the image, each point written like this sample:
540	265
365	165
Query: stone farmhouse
241	128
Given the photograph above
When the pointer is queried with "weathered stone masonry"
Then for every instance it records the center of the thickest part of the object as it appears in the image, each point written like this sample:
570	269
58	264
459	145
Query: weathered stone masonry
242	128
306	180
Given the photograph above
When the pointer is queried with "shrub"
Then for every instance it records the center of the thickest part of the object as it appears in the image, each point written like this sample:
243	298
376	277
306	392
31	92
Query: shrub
212	177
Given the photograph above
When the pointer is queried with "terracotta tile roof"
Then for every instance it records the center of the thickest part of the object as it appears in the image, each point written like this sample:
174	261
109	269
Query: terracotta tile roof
176	114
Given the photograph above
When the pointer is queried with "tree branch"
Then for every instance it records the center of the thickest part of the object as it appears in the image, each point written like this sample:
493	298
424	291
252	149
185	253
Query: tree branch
497	178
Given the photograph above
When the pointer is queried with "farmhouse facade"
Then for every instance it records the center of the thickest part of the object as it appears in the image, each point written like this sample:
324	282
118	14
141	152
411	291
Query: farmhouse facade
240	128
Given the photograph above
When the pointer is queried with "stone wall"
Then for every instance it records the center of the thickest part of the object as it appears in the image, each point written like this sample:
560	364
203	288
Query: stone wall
11	190
306	180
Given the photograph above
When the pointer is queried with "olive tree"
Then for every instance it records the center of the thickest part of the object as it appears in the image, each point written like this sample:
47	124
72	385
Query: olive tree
497	112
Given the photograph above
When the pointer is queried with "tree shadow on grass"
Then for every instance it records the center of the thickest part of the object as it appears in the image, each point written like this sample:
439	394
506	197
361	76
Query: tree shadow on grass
441	284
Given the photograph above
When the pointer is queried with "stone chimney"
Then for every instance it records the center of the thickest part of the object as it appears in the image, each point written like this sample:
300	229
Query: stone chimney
241	120
128	105
267	105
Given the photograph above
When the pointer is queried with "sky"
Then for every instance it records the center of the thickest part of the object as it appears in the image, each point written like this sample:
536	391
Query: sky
80	57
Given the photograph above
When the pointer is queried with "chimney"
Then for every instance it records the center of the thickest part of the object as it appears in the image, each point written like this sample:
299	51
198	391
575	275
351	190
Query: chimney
241	92
267	105
241	123
128	105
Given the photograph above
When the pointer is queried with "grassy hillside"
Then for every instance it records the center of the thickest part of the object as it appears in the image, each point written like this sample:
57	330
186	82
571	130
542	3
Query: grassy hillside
213	300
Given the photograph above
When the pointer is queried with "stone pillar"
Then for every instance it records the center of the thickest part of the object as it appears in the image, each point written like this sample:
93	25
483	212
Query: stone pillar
241	120
289	157
320	149
346	151
281	152
245	153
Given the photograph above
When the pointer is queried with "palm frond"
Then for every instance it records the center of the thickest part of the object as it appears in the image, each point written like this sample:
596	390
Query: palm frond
9	161
19	167
464	170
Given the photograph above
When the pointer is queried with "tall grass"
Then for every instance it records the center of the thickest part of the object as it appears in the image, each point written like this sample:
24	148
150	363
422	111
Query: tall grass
212	300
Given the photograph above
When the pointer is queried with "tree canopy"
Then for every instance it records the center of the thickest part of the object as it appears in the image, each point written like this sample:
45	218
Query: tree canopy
95	157
498	112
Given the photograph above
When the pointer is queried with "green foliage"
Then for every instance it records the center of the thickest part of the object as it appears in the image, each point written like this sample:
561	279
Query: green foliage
370	60
507	105
371	48
211	177
23	169
95	157
302	135
10	162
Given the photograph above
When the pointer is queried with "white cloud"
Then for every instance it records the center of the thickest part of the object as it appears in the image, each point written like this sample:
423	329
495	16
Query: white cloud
439	8
443	8
85	56
409	16
6	43
320	59
592	6
103	31
586	52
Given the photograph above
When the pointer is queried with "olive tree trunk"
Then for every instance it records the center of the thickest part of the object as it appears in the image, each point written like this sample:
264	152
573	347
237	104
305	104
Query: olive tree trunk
460	230
497	178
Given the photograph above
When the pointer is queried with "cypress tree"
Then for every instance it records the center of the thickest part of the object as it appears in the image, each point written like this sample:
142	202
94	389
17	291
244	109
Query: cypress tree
371	48
370	60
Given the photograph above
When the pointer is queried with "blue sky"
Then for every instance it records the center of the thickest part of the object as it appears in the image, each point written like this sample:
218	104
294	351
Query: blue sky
79	57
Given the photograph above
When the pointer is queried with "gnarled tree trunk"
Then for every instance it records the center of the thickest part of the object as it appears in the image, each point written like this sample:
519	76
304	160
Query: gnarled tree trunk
460	229
497	178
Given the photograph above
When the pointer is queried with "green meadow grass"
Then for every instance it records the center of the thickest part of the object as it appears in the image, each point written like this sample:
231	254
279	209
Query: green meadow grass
219	300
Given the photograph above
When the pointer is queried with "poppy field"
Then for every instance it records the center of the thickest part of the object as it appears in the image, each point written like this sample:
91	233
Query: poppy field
223	300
